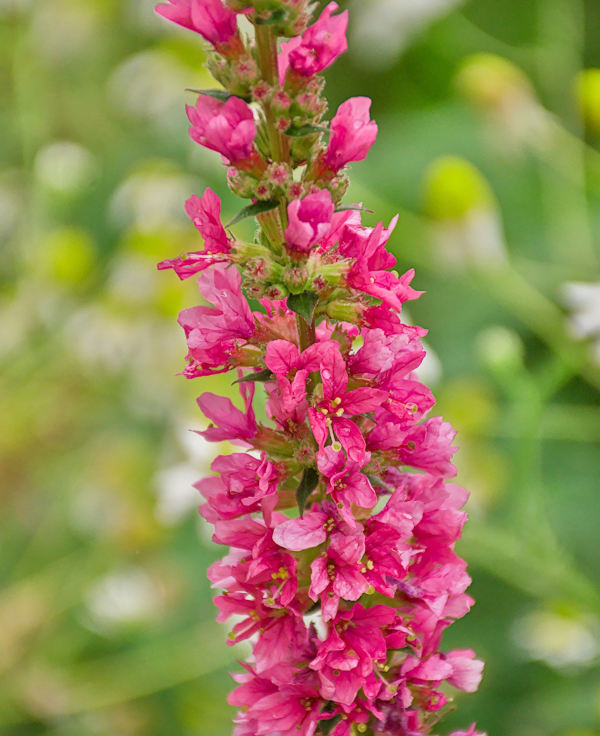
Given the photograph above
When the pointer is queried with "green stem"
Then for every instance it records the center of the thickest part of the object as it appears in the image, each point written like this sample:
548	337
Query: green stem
306	333
266	47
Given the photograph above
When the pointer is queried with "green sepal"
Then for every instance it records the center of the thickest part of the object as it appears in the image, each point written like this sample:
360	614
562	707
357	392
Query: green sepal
310	479
251	210
326	727
256	377
277	16
303	304
376	481
358	207
298	131
219	94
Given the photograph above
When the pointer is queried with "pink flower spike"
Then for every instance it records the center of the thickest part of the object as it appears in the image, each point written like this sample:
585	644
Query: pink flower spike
210	18
320	44
309	220
352	133
225	127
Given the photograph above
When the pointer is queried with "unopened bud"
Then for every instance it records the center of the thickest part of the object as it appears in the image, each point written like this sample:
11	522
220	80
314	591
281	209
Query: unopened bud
296	279
588	98
468	228
490	81
276	292
241	184
453	188
501	350
345	311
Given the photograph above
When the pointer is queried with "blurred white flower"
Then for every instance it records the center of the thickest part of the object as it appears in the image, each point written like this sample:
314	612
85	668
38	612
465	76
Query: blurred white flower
505	94
478	239
430	370
150	198
562	641
176	495
466	224
150	86
382	28
126	596
113	342
64	166
583	299
133	281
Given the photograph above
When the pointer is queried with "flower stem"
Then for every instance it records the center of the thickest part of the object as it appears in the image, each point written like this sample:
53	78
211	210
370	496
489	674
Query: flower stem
266	47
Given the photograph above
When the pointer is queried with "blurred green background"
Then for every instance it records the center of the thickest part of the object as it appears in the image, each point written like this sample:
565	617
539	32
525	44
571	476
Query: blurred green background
489	148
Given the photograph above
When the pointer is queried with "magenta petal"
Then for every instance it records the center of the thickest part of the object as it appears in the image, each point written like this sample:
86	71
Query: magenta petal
302	533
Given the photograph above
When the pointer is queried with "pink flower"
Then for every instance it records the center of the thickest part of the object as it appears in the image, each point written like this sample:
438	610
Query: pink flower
352	133
466	670
318	47
329	412
313	528
368	273
337	575
346	658
214	333
245	484
210	18
287	711
470	732
231	423
427	446
205	213
309	220
225	127
346	484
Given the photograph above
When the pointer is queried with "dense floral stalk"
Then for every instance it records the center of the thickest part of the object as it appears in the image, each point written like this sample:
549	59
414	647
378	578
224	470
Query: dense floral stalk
345	597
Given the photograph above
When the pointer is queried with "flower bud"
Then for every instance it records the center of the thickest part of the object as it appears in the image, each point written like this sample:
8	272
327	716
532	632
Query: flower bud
225	127
296	279
309	220
467	227
501	350
491	82
453	188
345	311
588	98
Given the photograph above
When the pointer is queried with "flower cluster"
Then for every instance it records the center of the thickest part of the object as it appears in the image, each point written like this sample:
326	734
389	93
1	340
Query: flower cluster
337	510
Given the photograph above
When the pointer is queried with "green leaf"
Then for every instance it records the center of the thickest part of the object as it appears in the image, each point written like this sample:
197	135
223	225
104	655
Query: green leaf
359	207
258	376
277	16
251	210
219	94
303	304
326	727
309	481
297	131
376	481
